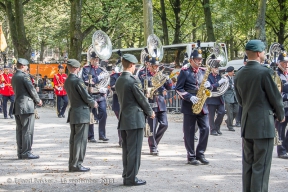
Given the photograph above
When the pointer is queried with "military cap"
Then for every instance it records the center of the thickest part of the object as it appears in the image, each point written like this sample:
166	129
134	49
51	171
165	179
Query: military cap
60	67
6	67
73	63
283	57
215	63
196	53
153	61
23	61
255	46
94	55
230	69
131	58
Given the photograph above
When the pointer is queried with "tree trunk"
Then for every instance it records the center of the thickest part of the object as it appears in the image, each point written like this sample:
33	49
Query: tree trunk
148	19
75	30
208	20
176	5
260	22
164	23
12	26
231	43
282	23
23	47
42	50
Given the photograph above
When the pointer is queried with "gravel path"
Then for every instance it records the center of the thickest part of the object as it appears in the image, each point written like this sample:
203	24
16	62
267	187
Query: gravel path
166	172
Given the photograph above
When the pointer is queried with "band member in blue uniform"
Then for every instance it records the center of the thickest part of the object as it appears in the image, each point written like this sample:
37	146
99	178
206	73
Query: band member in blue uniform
115	103
282	71
157	103
188	83
216	104
100	96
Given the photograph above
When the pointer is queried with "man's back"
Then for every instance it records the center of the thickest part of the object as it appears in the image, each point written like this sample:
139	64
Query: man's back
133	103
258	95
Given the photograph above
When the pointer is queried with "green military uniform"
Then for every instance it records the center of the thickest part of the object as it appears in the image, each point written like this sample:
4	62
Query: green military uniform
25	99
78	117
133	108
258	95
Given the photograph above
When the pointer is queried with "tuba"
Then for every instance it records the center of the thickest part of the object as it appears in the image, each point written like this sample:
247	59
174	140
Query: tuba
155	50
218	55
102	46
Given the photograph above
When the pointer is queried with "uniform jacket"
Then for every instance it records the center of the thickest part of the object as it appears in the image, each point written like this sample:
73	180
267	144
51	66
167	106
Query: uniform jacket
214	82
229	95
260	99
80	100
25	94
5	86
189	80
59	80
115	103
133	104
158	97
284	93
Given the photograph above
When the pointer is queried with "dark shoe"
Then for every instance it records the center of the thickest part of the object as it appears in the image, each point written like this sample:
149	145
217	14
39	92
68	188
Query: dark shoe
193	162
63	116
202	160
30	156
92	140
59	116
231	129
219	132
5	117
137	182
237	125
103	139
285	156
11	116
214	133
154	153
79	169
195	138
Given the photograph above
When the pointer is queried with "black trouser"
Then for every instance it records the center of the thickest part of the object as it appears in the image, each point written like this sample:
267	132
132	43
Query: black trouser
215	123
232	111
24	133
256	162
131	153
5	101
119	132
61	108
161	118
189	122
281	127
77	144
239	116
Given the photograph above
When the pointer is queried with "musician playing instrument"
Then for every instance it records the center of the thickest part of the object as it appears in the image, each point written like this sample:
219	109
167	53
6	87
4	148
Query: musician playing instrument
7	92
100	97
282	71
60	92
188	83
157	103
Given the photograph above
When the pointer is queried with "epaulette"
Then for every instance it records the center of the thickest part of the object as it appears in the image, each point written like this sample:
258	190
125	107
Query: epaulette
202	68
184	68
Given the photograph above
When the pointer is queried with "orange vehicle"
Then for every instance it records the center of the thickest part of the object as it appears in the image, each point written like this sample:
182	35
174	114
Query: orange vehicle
45	69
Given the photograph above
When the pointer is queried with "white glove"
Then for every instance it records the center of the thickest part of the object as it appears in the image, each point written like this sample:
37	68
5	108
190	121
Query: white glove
101	76
194	99
222	80
103	90
207	84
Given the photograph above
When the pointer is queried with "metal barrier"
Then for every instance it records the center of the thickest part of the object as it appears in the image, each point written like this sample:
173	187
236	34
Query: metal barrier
173	102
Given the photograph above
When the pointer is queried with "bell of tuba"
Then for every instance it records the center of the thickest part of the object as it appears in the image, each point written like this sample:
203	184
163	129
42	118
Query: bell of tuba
217	54
101	45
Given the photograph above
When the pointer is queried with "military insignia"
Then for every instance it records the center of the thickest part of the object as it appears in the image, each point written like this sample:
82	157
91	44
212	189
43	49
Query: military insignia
28	78
199	51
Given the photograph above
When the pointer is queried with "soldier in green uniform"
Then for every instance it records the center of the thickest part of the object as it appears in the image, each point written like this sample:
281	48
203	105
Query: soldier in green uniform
78	116
133	108
25	99
258	95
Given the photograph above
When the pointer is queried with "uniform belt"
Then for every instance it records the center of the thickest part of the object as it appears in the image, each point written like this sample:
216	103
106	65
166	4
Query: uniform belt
192	91
285	103
153	105
98	93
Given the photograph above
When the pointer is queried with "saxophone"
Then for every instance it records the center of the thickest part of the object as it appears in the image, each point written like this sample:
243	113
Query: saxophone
157	81
203	93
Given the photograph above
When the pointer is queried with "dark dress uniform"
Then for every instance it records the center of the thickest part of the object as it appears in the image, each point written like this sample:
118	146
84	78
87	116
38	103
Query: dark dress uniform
115	102
25	99
133	108
79	118
215	106
159	107
99	98
258	95
282	149
188	83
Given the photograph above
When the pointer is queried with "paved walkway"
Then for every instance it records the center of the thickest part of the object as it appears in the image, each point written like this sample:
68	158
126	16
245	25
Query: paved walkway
167	172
